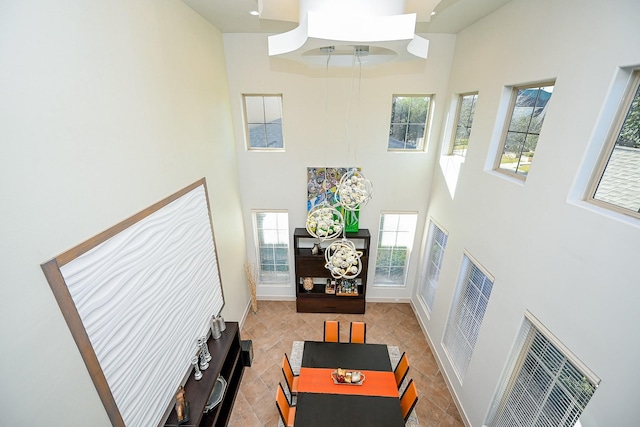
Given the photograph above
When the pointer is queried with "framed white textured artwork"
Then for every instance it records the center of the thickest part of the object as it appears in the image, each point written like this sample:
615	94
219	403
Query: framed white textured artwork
137	297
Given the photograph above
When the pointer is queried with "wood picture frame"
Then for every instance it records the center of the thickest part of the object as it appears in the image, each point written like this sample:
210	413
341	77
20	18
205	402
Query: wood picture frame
136	298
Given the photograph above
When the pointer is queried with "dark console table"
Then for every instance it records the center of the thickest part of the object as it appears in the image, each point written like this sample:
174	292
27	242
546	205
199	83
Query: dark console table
226	361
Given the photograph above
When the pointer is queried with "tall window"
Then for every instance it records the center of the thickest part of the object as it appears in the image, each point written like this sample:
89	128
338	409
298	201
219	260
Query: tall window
395	240
547	387
470	303
272	234
528	110
618	183
436	244
464	120
409	118
263	121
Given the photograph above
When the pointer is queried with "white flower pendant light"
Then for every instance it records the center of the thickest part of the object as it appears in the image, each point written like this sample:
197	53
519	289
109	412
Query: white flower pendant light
354	190
343	259
324	222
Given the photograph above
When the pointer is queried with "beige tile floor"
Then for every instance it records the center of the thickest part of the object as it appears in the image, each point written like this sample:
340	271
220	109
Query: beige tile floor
276	325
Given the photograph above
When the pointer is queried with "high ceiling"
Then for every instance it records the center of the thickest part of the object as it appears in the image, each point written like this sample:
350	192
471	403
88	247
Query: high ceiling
232	16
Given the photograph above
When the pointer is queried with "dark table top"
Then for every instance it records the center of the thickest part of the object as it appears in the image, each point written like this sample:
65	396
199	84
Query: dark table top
323	409
335	410
362	357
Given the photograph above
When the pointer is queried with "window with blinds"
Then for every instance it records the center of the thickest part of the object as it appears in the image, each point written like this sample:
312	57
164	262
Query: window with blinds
436	244
547	386
470	303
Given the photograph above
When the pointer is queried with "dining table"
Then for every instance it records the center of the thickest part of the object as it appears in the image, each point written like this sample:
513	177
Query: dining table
321	401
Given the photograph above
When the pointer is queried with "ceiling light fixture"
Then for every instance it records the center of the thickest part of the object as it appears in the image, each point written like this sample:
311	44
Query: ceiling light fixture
354	190
324	221
343	260
379	27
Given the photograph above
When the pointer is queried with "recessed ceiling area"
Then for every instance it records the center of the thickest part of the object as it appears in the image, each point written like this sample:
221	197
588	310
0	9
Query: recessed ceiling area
451	16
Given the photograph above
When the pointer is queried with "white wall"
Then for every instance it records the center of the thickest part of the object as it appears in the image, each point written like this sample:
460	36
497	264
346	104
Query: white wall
107	107
574	267
317	132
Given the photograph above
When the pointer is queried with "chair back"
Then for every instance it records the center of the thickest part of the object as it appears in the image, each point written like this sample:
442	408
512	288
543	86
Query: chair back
288	373
358	332
402	369
408	400
331	331
287	412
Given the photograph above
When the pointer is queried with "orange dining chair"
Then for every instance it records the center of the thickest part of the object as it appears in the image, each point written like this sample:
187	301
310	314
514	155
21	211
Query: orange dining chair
287	412
408	400
289	376
401	369
358	332
331	331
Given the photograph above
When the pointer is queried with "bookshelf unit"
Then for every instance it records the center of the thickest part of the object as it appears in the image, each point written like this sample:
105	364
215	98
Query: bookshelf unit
309	265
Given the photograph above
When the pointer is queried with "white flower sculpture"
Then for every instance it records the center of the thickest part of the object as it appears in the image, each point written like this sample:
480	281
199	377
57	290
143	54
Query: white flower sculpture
354	190
343	260
325	222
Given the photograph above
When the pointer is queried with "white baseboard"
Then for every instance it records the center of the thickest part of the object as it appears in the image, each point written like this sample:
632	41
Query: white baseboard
454	396
244	315
389	299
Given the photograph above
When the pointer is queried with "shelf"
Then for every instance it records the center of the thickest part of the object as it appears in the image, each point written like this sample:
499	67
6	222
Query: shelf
325	295
317	290
347	295
306	252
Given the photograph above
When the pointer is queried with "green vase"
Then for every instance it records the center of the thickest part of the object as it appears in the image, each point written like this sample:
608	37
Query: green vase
351	220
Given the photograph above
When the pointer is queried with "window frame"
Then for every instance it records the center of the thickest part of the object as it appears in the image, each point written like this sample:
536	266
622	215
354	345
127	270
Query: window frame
264	123
426	123
507	122
454	132
425	283
633	85
406	266
529	329
261	275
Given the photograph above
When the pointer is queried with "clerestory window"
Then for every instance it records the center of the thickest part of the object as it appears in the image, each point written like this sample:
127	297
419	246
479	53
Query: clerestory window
527	111
263	122
409	120
616	182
